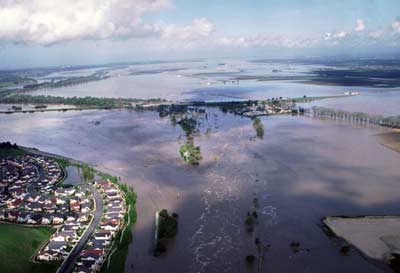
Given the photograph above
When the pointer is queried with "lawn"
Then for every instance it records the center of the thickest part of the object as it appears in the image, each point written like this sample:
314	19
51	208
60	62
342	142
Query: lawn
18	244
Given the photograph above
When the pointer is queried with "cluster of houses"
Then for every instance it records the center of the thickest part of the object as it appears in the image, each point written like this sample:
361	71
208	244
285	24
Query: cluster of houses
26	183
100	243
262	110
73	223
30	194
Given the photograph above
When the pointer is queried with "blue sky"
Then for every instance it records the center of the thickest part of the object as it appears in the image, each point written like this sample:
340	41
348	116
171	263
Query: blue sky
254	16
47	32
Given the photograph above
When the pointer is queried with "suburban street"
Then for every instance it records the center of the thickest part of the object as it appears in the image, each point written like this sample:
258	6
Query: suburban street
69	262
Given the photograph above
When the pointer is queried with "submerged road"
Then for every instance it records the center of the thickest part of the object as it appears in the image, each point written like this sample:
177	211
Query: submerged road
68	264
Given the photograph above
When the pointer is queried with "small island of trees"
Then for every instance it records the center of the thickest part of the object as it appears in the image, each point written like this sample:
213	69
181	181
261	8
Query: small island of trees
166	229
190	153
259	127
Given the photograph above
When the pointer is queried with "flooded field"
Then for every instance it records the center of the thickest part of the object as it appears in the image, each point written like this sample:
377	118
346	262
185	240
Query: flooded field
75	176
226	79
300	171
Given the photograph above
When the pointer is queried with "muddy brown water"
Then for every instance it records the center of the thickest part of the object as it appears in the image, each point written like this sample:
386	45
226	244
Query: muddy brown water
302	170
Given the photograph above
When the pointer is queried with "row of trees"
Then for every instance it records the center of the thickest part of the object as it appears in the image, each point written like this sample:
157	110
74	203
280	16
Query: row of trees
78	101
66	82
393	122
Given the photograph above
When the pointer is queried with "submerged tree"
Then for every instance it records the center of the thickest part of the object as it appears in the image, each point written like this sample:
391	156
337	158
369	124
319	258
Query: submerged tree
259	127
190	153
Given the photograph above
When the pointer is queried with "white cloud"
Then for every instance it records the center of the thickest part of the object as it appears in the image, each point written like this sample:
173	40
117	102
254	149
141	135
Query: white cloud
198	29
49	21
328	36
340	35
376	34
396	25
360	26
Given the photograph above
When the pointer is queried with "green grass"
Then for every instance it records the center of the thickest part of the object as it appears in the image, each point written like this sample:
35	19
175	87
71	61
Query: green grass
18	244
88	173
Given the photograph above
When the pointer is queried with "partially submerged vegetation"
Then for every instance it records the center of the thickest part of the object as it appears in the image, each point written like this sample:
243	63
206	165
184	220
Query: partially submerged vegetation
67	82
358	117
81	102
258	127
166	229
190	153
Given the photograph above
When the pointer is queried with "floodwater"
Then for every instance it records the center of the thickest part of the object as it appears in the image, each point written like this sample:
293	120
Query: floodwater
75	176
300	171
373	102
215	80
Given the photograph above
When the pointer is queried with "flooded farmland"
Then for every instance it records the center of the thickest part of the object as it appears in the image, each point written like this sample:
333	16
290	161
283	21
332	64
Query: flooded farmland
299	171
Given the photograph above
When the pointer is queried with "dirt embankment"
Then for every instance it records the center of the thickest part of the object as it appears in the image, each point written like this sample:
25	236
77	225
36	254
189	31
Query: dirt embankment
391	139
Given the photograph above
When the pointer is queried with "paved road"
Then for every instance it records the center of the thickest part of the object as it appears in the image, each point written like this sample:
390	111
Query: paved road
68	264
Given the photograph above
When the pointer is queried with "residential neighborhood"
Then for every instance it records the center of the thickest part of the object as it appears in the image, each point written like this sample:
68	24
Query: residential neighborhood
87	217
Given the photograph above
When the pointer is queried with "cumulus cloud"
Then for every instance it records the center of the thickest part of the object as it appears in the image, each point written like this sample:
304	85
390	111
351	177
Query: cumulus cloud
340	34
396	25
376	34
199	28
49	21
264	40
360	26
335	36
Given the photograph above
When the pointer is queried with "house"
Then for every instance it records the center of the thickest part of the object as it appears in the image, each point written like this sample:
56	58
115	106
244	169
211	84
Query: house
50	208
3	214
66	235
35	207
93	255
34	219
83	217
86	207
70	218
101	243
23	217
46	220
74	205
115	204
33	197
82	269
48	255
13	216
58	246
58	219
64	192
91	264
102	183
110	225
61	200
90	254
14	203
102	235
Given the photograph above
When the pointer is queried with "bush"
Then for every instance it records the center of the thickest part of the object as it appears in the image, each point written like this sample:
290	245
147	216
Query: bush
250	259
190	153
168	225
344	250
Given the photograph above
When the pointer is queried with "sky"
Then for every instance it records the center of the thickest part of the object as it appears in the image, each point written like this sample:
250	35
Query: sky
71	32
